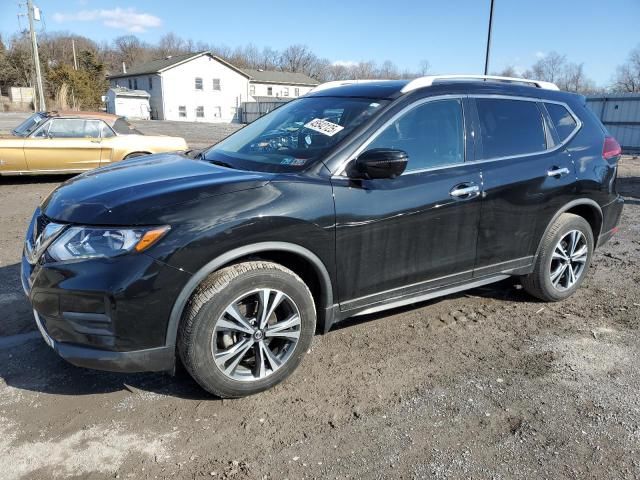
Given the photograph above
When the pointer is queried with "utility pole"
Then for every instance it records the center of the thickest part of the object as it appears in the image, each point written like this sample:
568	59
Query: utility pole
486	58
36	57
75	60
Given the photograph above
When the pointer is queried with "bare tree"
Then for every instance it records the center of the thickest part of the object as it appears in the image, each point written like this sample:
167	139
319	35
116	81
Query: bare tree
549	68
627	78
297	58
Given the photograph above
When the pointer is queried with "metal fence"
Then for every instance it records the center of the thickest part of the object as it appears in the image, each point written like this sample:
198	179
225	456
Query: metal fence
250	111
620	113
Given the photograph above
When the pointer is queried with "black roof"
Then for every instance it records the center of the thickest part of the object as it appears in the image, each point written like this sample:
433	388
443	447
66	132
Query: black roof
391	89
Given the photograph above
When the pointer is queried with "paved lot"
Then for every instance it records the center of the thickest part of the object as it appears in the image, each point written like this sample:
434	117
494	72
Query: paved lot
485	384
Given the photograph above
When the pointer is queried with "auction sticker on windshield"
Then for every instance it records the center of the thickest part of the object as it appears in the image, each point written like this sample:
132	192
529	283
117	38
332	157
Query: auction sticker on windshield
324	126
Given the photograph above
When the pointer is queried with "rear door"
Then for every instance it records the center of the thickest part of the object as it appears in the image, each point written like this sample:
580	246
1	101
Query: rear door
400	236
65	144
527	174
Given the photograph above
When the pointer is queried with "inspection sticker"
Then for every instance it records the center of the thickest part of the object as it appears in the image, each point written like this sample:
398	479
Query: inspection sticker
324	126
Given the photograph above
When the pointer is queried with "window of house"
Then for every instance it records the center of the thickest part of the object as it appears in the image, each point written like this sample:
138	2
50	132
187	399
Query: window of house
200	112
150	83
216	84
562	120
182	111
510	127
217	112
252	90
432	134
296	92
269	90
198	83
285	92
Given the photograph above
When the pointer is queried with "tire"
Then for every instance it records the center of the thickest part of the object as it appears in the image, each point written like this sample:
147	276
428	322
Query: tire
135	154
207	328
551	279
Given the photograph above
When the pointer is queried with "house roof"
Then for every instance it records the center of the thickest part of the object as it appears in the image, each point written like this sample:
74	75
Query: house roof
287	78
159	65
259	76
125	92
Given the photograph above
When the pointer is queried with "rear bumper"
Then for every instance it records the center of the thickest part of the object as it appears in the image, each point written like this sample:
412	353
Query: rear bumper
611	214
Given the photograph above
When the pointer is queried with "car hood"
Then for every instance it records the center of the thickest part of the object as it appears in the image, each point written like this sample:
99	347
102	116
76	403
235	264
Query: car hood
138	191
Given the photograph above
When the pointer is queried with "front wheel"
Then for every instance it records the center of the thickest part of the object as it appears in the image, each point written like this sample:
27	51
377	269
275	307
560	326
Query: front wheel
563	260
246	328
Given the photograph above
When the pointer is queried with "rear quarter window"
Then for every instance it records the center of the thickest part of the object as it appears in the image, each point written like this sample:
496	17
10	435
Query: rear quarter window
562	120
510	127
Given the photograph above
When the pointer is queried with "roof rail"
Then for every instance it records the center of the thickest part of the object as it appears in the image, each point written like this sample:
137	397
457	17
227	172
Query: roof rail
431	79
340	83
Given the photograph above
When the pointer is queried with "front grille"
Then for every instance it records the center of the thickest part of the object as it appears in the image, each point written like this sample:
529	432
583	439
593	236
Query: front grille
40	225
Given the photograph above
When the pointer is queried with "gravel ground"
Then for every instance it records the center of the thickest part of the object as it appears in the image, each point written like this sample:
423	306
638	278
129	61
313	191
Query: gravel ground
486	384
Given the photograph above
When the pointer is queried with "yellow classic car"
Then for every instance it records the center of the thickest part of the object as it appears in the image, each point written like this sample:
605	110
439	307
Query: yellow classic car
73	142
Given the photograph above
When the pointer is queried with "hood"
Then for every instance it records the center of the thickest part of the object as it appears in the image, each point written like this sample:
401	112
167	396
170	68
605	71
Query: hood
135	192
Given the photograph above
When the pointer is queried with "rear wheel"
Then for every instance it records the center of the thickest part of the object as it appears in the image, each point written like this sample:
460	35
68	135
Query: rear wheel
246	328
563	259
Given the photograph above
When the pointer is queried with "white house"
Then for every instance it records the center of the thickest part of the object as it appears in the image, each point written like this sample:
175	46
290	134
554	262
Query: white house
128	103
203	87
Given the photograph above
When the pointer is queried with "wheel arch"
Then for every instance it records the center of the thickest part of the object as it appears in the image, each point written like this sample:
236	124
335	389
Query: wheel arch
583	207
135	153
295	257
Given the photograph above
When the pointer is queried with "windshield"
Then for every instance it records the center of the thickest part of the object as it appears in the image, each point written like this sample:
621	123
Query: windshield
29	125
295	135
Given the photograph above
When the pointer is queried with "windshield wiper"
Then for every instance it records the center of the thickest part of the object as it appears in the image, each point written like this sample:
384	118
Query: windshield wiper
220	163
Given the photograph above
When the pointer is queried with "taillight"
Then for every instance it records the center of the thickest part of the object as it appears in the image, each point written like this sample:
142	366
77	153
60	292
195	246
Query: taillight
611	148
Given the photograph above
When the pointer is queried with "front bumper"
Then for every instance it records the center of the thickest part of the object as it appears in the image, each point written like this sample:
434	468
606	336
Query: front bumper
107	314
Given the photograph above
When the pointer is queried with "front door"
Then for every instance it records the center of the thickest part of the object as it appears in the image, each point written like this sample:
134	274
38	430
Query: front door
65	144
396	237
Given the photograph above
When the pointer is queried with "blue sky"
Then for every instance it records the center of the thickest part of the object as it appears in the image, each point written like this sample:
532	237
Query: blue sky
450	34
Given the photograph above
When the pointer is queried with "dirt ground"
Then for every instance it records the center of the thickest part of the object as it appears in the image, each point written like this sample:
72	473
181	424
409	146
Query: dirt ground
486	384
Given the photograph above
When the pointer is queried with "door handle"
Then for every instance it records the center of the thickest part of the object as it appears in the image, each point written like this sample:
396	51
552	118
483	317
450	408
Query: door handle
465	191
557	172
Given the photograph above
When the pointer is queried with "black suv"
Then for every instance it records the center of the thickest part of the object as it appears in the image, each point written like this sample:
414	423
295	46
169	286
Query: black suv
359	197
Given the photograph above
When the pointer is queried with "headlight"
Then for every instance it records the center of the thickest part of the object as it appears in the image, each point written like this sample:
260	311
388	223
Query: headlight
97	242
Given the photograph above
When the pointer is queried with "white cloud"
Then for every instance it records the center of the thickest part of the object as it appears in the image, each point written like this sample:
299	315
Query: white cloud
540	54
120	18
345	63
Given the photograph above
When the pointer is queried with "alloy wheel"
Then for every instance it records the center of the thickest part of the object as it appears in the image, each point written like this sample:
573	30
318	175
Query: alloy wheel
568	260
256	335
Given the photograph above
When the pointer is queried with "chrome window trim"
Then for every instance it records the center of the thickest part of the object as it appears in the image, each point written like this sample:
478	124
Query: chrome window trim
341	174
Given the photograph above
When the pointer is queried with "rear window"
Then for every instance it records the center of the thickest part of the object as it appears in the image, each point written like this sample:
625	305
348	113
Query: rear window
562	120
122	127
510	127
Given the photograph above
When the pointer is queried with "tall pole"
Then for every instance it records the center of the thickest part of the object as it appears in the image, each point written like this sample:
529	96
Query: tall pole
36	57
75	60
486	58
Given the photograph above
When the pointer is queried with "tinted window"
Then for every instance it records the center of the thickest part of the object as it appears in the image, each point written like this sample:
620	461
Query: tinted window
432	135
510	127
562	120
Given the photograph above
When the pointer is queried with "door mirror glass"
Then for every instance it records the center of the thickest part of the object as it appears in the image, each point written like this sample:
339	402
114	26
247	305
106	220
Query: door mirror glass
379	163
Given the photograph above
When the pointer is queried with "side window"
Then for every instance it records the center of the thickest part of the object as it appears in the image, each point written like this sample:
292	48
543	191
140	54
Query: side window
432	134
106	131
562	120
510	127
67	128
198	83
182	111
92	128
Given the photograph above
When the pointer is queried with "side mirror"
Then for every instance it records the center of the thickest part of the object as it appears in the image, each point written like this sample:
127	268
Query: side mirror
379	163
